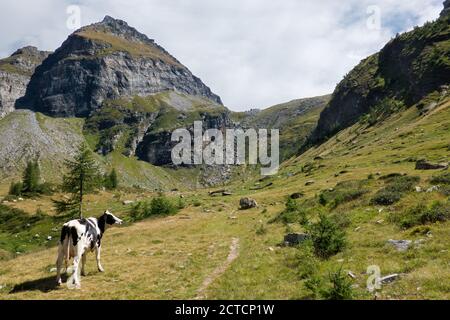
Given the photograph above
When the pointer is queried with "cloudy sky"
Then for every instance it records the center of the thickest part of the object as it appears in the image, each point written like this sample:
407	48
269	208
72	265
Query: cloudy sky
253	53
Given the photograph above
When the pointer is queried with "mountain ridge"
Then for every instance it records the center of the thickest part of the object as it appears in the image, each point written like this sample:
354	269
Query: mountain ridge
103	61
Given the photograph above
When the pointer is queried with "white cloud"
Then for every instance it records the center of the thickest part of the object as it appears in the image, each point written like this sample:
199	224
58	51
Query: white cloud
253	53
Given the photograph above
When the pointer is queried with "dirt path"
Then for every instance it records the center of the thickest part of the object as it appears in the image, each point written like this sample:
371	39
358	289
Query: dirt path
234	253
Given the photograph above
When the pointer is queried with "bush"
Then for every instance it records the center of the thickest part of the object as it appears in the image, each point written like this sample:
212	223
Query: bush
396	186
341	288
338	286
343	192
162	206
15	189
159	206
441	179
293	212
421	214
328	239
46	188
306	262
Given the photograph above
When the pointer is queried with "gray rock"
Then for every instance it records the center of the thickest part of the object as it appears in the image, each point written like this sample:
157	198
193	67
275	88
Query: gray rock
390	278
293	239
247	203
400	245
426	165
126	202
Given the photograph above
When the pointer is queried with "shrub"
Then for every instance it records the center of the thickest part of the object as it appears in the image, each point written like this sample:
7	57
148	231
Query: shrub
306	263
328	239
294	212
343	192
341	288
441	179
396	186
421	214
159	206
15	189
46	188
162	206
386	197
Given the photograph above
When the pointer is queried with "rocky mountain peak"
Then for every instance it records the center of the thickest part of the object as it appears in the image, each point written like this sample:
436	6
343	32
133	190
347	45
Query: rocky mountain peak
15	73
119	28
107	60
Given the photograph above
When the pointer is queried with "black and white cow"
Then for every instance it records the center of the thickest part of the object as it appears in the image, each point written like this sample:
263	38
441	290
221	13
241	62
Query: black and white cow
78	237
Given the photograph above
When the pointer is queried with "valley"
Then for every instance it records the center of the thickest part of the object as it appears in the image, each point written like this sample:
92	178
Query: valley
363	183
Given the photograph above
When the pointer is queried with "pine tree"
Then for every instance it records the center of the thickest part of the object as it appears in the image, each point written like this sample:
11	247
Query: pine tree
82	178
31	177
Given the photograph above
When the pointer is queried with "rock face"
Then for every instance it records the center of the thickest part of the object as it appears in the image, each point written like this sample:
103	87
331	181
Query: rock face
156	147
106	60
15	73
406	71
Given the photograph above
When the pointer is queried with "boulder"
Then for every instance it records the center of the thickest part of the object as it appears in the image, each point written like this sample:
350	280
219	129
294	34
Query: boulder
400	245
126	202
426	165
247	203
293	239
389	278
296	195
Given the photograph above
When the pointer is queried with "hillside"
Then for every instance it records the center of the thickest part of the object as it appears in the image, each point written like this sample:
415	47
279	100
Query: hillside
295	119
173	257
412	67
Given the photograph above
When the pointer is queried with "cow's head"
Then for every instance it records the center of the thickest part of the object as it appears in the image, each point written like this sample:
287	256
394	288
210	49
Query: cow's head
111	219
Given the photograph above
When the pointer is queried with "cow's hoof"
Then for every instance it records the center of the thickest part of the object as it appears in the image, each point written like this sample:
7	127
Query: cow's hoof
83	273
101	269
58	282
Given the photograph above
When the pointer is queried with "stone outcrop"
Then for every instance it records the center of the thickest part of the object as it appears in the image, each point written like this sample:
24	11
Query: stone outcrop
15	73
106	60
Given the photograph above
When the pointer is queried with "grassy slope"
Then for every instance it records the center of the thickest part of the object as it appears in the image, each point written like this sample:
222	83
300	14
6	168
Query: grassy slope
171	257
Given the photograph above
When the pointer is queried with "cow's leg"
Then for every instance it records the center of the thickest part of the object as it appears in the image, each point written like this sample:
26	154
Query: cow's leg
83	263
76	264
97	257
59	262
